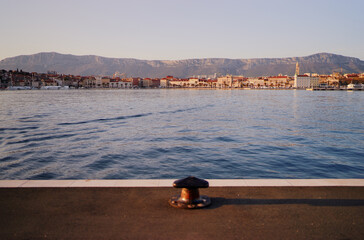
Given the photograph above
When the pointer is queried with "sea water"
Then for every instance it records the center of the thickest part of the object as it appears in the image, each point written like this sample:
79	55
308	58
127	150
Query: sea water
169	133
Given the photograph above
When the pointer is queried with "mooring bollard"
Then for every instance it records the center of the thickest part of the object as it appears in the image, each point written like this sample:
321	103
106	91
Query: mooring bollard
190	197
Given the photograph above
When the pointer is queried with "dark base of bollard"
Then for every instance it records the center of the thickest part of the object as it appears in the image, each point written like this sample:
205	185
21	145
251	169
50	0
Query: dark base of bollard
201	202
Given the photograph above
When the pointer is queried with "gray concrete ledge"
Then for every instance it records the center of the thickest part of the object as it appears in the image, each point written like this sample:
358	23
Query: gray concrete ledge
169	182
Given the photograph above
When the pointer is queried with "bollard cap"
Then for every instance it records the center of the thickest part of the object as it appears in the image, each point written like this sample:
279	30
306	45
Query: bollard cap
191	182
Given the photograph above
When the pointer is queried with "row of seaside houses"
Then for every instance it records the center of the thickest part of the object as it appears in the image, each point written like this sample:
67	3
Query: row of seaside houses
36	80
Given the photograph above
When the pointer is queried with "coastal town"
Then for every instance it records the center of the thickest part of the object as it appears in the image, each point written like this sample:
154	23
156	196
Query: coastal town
20	80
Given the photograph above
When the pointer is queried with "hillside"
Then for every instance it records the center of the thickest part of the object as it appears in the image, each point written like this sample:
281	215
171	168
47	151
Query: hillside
322	63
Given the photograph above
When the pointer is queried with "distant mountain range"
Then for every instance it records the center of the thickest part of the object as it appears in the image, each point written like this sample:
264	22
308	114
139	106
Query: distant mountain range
322	63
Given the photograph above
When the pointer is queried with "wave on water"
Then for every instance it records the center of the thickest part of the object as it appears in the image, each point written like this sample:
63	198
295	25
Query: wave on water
106	119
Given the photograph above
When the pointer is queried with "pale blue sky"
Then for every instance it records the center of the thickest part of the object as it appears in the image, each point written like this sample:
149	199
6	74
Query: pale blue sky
161	29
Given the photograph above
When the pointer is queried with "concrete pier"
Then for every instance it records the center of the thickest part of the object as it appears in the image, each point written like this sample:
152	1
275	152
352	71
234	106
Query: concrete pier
139	209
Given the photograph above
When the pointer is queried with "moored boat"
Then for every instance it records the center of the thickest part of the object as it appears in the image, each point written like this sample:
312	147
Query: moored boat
353	86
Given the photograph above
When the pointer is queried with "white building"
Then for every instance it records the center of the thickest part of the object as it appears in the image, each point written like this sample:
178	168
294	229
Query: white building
120	84
305	81
125	84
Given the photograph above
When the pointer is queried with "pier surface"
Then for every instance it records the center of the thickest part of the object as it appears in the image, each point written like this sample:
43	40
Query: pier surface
240	209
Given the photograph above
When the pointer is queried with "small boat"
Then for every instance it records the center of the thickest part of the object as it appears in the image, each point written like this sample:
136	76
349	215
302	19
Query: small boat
353	86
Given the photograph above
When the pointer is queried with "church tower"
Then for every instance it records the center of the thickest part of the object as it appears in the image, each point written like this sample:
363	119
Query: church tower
297	69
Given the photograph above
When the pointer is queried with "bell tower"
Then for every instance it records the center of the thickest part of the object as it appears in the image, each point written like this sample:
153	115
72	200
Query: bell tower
297	69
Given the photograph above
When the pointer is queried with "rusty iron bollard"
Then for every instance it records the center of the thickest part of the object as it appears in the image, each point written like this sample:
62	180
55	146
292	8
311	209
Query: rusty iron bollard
190	197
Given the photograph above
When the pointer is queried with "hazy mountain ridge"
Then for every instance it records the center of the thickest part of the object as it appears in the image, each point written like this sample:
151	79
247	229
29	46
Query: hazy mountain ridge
322	63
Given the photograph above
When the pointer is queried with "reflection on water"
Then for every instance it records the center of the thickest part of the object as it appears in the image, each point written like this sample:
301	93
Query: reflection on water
106	134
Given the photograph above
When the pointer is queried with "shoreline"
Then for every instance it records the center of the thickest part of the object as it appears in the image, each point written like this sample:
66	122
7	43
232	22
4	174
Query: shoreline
177	88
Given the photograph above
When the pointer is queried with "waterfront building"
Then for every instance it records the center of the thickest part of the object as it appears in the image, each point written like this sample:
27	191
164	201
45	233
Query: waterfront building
203	83
355	77
98	82
136	82
212	83
323	79
239	81
35	84
68	80
114	83
57	80
175	82
146	83
225	82
305	81
164	83
193	82
256	82
89	82
314	81
156	83
105	81
48	82
277	81
125	84
150	83
119	83
301	81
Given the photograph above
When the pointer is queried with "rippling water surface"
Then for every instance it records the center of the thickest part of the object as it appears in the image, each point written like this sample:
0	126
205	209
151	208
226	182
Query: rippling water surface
142	134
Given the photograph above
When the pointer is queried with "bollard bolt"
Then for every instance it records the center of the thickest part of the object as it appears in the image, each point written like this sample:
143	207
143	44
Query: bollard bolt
190	197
